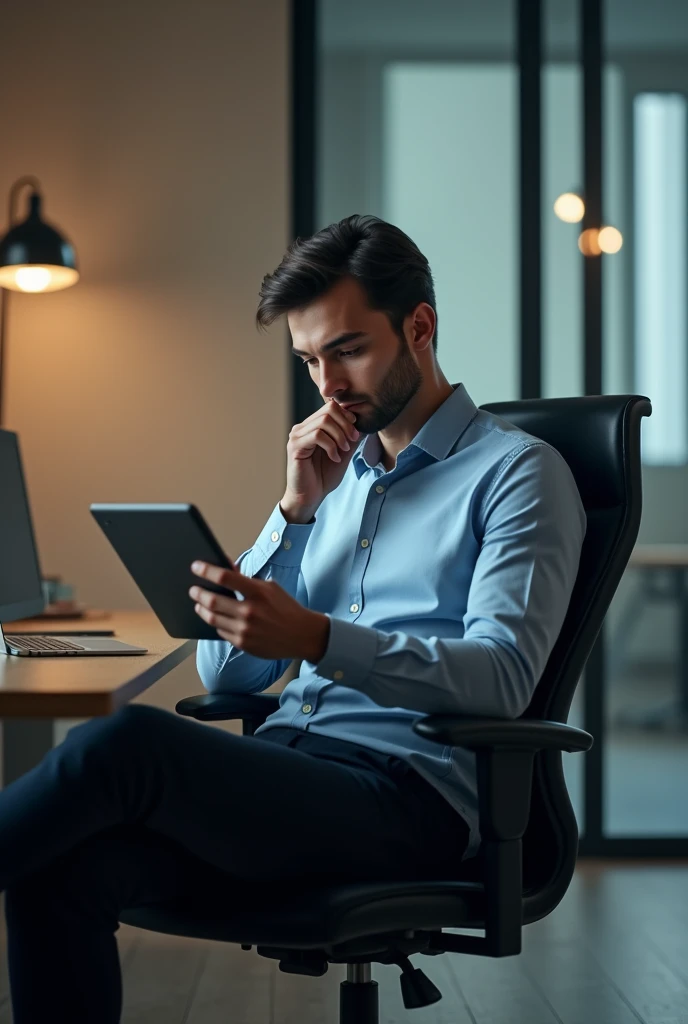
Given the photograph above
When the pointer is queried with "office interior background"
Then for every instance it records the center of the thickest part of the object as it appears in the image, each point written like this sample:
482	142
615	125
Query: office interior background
183	144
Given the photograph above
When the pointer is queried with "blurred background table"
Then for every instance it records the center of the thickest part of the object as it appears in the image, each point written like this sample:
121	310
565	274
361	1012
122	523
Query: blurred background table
663	572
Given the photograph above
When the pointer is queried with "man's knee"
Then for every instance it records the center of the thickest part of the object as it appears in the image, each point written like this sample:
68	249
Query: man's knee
130	724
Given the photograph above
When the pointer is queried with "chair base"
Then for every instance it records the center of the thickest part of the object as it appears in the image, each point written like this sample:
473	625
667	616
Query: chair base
358	997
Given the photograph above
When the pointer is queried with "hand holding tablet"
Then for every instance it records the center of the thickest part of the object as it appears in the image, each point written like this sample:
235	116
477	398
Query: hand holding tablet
217	601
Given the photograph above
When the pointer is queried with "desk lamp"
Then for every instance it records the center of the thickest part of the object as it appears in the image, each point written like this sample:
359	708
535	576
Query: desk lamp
34	257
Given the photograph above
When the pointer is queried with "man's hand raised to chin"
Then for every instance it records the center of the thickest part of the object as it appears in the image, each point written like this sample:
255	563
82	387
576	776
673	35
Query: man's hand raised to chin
268	623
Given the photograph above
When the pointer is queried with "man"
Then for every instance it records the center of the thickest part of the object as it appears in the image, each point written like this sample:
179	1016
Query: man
421	560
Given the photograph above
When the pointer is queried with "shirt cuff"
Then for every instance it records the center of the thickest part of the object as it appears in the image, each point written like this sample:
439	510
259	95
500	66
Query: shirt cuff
281	542
350	653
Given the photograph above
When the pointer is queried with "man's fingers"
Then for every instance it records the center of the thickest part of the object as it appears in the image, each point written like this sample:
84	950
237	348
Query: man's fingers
217	602
232	579
220	622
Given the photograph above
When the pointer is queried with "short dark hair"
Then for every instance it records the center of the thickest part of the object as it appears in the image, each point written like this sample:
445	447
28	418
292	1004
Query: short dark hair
390	267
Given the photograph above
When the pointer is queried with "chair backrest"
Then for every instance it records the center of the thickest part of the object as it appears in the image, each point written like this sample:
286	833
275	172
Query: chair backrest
599	436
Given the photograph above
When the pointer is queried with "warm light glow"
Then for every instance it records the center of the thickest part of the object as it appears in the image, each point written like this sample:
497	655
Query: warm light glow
34	278
569	207
610	240
589	242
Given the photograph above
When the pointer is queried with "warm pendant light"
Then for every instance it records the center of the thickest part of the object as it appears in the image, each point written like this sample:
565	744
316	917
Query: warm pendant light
34	257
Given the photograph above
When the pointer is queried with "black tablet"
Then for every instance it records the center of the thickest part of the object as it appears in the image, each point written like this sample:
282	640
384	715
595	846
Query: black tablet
157	544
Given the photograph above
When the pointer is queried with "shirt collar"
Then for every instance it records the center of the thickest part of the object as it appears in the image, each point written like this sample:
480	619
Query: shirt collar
437	436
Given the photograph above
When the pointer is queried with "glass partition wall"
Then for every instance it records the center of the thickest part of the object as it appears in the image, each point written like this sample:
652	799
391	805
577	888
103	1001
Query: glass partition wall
645	806
464	124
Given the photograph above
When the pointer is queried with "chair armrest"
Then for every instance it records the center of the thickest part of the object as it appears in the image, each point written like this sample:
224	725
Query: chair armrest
507	734
505	754
252	708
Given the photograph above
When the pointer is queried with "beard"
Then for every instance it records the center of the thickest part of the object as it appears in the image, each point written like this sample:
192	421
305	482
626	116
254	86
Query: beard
401	383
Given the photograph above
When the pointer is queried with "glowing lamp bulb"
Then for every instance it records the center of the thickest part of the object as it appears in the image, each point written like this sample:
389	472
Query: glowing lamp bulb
588	242
610	240
569	207
32	279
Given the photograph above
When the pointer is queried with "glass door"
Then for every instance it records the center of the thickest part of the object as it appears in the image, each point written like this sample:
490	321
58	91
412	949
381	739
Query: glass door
646	189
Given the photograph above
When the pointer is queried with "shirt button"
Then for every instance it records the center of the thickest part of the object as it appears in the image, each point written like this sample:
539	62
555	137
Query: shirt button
380	489
274	535
287	544
353	608
364	543
339	674
306	708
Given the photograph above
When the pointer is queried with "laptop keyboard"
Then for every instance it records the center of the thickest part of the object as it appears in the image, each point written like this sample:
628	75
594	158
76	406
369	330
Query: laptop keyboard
42	643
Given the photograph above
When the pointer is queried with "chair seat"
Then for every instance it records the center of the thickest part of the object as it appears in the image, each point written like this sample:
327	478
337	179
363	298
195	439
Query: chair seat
297	915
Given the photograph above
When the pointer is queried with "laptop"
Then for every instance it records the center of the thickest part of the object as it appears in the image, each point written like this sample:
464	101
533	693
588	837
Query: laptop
21	592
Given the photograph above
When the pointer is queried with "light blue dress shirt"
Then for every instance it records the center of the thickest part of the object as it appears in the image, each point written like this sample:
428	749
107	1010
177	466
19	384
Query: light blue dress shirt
446	582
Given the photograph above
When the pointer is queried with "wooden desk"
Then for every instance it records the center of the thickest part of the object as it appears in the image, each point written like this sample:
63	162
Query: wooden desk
660	556
34	691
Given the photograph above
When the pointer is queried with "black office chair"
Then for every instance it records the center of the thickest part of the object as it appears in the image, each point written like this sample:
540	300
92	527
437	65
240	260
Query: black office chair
529	833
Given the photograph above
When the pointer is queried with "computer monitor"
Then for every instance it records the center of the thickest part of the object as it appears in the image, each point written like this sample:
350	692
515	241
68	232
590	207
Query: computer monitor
21	592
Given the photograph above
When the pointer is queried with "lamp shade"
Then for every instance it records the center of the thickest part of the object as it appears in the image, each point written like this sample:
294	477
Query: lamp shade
34	257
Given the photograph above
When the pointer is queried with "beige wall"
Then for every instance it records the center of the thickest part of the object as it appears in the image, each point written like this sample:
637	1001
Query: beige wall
159	131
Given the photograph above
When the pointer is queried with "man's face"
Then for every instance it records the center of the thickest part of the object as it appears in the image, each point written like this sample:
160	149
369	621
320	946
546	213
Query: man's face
372	365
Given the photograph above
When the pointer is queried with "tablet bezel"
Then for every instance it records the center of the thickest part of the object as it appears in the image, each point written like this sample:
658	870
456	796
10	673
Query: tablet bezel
134	540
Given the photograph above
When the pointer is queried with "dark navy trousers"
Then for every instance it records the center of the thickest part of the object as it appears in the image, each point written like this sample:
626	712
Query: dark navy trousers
144	806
